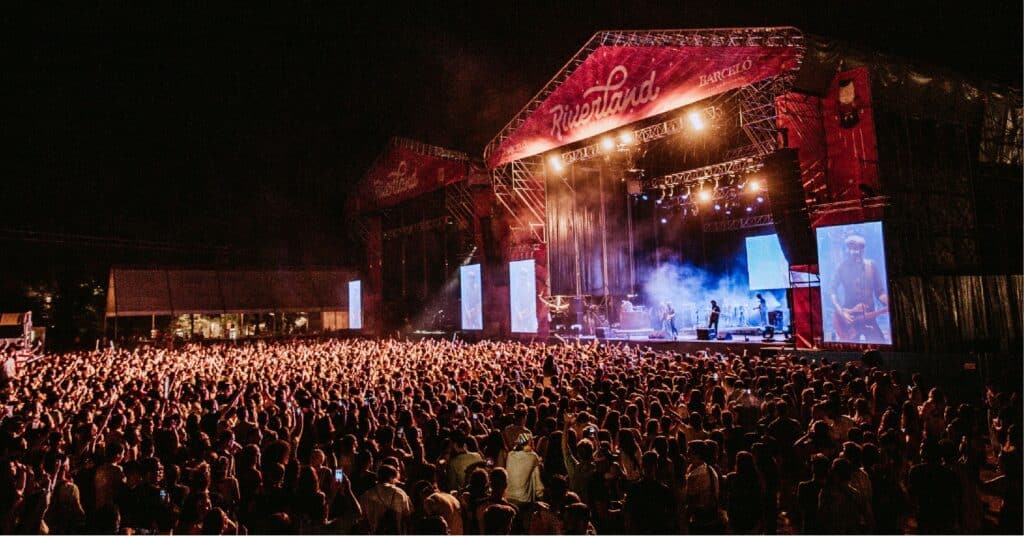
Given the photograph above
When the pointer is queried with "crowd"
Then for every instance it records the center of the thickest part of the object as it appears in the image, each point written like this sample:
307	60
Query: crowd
436	437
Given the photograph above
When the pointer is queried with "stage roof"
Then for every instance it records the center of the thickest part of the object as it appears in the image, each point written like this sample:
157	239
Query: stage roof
138	292
406	169
621	77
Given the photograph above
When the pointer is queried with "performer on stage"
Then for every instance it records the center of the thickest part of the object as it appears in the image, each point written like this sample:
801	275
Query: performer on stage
668	322
713	318
762	310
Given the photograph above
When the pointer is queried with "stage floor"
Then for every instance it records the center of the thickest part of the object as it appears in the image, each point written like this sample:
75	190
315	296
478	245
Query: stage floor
687	342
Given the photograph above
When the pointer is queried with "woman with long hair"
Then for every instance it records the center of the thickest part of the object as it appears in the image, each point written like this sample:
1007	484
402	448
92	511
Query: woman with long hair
745	495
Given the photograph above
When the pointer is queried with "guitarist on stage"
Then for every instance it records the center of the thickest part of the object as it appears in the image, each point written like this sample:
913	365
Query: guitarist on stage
668	320
862	282
713	317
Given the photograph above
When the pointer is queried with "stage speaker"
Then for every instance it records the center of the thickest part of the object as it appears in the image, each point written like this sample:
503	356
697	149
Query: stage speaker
724	336
487	235
815	75
601	333
789	207
703	334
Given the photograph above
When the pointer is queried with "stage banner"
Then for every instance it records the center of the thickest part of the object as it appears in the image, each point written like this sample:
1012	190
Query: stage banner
619	85
401	174
850	137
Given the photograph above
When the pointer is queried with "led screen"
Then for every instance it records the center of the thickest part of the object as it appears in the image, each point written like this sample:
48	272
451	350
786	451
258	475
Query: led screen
854	288
355	305
767	267
523	296
472	298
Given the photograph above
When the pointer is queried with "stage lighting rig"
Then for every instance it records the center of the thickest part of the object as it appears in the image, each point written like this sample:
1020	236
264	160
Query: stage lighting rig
556	164
696	121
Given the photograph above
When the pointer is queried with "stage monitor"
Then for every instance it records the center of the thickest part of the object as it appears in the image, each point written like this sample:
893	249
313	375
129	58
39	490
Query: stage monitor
767	267
523	296
854	287
355	304
472	297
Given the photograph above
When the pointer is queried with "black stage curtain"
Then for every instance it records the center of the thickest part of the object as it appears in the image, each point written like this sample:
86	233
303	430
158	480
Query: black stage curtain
587	221
941	314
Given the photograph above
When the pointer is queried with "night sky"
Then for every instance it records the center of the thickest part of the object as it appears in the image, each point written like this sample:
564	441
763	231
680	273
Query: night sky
199	135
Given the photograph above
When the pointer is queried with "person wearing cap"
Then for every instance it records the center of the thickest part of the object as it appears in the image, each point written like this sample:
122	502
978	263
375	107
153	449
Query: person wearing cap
862	282
523	466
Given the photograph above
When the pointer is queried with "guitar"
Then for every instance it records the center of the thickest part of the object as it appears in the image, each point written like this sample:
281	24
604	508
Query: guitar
859	317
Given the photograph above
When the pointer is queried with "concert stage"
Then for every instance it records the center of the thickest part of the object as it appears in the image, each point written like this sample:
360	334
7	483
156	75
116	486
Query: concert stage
687	342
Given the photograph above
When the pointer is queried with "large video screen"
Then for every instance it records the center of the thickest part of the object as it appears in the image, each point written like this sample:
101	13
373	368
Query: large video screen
355	305
767	267
472	297
854	287
523	296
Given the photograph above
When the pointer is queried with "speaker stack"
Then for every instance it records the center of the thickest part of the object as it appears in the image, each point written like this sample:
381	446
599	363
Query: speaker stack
789	207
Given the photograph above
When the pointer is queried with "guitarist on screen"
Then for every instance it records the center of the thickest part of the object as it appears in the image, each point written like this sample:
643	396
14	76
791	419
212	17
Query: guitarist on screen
862	282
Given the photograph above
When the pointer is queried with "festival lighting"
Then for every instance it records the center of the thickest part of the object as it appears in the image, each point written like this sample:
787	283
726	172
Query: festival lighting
626	138
664	220
754	186
607	144
644	197
718	207
555	162
696	121
760	199
750	209
704	195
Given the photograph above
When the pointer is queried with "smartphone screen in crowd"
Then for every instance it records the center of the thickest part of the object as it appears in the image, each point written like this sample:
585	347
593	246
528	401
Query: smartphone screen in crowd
339	475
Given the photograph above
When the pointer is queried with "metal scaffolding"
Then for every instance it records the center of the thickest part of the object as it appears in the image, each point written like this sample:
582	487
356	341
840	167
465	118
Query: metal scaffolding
519	185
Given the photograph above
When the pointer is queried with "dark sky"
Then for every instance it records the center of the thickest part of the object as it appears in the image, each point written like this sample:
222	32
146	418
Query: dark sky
245	127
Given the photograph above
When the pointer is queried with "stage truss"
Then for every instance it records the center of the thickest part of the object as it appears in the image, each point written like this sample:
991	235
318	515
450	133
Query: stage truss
458	199
519	185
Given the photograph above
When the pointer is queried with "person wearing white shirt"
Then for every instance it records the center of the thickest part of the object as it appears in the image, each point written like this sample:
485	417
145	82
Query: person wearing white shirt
523	466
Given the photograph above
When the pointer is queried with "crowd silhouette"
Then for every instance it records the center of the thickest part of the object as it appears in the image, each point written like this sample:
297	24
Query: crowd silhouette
442	437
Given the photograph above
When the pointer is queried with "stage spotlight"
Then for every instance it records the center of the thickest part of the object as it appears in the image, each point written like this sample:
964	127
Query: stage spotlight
718	207
728	211
750	209
760	199
704	195
555	161
644	197
658	201
626	138
664	220
696	121
754	186
607	144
